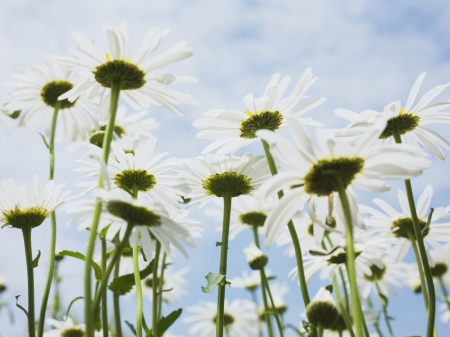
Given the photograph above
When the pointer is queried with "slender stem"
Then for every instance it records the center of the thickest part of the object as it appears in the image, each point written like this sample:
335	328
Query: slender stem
223	263
274	309
255	300
160	286
350	252
57	300
105	276
384	307
116	299
26	231
375	324
104	295
444	290
139	299
155	290
292	232
267	317
256	236
51	264
424	289
423	254
320	330
344	311
115	93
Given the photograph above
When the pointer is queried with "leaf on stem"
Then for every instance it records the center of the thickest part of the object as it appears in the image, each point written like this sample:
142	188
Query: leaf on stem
131	326
167	321
77	255
35	262
71	303
19	306
213	281
123	284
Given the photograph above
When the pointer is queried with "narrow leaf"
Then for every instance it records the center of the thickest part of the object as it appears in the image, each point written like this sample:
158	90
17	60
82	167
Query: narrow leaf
167	321
123	284
77	255
71	303
213	280
35	262
102	234
19	306
13	115
131	326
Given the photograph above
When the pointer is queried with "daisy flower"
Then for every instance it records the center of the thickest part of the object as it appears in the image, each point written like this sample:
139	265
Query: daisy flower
136	74
279	290
441	268
142	172
150	221
67	328
239	319
234	129
21	211
398	224
249	281
245	213
322	310
407	120
310	171
215	174
36	96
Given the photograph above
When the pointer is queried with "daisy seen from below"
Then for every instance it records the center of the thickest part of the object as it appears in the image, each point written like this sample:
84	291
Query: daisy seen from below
36	97
234	129
135	74
249	281
240	319
68	328
406	122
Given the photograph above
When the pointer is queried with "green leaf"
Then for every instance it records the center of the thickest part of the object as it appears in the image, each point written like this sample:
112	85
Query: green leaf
123	284
13	115
131	326
71	303
97	270
143	254
167	321
35	262
329	288
295	329
19	306
148	332
213	280
45	141
102	234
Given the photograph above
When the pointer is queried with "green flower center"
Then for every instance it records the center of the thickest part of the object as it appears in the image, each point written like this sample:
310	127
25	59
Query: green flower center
322	312
2	288
339	325
135	215
98	136
310	229
322	178
149	282
23	218
253	219
403	123
439	269
233	183
402	227
341	258
72	332
377	273
52	90
131	180
266	120
227	319
124	73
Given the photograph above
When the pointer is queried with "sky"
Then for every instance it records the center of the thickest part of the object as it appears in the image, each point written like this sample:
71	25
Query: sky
365	54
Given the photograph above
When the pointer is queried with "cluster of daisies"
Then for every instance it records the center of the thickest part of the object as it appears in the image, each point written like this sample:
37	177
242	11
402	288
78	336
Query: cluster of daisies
302	195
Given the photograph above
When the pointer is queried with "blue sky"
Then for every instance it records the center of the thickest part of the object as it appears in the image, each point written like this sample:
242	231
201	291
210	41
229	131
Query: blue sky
366	54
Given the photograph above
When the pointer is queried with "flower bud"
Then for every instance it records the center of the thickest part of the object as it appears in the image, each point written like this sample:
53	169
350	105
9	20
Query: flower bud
255	257
322	309
2	284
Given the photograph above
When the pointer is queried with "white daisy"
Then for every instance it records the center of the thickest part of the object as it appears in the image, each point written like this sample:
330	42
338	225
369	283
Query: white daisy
136	73
279	290
67	328
142	171
441	268
215	174
20	210
409	121
315	172
399	224
234	129
150	221
37	95
239	319
246	212
249	281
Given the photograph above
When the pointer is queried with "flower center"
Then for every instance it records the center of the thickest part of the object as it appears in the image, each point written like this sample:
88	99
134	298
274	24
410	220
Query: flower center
131	180
134	215
341	257
52	90
266	120
233	183
124	73
72	332
322	312
402	227
2	288
97	136
253	218
23	218
439	269
401	124
377	273
322	177
149	282
310	229
227	319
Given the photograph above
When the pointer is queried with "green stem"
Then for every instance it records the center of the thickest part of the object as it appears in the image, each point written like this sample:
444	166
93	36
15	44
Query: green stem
223	263
344	312
419	267
422	250
444	290
375	324
139	299
266	308
274	309
255	300
160	286
350	252
256	236
292	232
57	300
26	231
104	295
116	299
320	330
384	308
51	264
155	290
115	94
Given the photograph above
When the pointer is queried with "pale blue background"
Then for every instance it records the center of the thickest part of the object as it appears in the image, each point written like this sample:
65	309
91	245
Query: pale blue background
365	53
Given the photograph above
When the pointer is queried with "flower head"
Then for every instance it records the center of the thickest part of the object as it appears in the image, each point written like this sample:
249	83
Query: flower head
67	328
255	257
